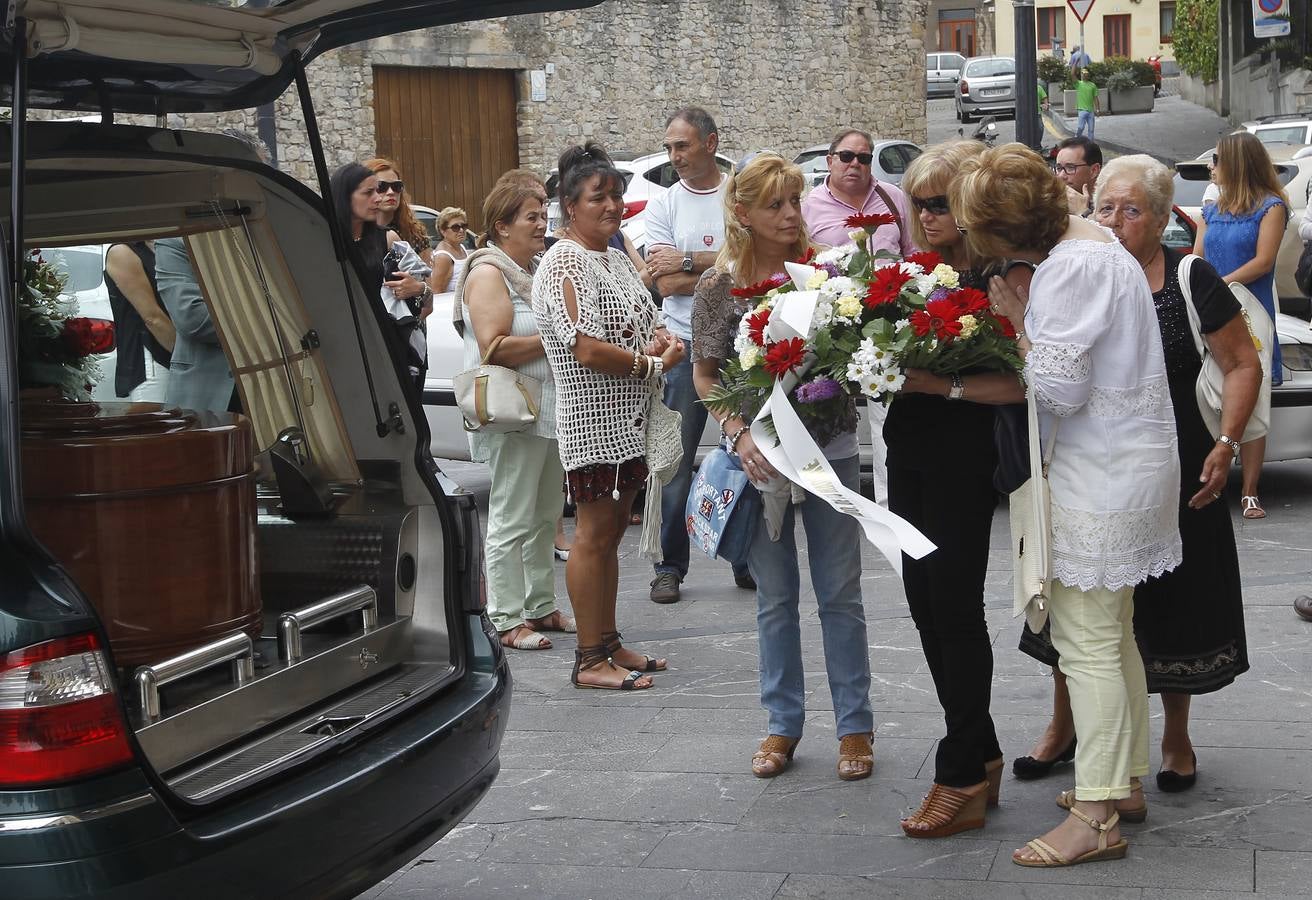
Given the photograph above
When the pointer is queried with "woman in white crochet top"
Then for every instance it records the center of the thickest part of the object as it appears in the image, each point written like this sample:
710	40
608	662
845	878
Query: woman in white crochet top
1094	360
599	325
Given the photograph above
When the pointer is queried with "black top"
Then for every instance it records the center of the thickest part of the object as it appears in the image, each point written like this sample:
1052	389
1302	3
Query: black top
1212	298
131	336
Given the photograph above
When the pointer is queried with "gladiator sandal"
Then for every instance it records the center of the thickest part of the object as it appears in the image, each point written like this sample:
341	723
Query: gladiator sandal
595	657
612	641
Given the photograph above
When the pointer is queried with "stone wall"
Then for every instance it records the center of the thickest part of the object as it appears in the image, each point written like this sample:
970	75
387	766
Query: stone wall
776	74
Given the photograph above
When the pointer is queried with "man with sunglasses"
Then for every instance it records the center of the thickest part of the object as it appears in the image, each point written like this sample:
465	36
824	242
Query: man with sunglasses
851	188
1079	160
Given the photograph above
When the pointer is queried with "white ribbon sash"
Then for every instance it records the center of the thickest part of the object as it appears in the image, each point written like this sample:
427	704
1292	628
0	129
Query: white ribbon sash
795	455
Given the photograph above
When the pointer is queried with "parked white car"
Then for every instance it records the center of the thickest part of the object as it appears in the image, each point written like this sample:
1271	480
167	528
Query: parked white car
1292	128
890	162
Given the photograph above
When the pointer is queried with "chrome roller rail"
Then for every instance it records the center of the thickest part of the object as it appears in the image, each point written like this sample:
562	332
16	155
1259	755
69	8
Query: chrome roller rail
237	649
290	625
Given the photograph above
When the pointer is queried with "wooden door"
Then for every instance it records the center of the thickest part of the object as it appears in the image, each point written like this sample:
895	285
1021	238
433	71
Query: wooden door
452	132
1115	36
958	35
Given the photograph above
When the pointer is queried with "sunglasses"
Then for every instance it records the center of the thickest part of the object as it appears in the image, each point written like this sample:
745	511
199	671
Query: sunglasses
1215	159
848	155
935	206
392	186
456	226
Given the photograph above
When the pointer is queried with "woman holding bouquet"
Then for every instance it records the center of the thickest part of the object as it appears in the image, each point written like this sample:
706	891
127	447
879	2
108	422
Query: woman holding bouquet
1094	361
939	423
763	230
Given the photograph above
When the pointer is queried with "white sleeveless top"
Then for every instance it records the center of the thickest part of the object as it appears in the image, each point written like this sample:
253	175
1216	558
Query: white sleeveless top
457	266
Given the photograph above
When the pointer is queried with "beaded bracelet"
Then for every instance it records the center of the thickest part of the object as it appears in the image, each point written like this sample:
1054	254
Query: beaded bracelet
733	441
637	364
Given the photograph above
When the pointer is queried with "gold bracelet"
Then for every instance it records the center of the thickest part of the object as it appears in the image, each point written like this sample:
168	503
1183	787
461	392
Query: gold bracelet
637	361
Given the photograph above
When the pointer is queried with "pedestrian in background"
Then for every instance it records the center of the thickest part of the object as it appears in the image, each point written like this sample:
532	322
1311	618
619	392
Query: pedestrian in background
763	230
1240	236
598	323
1079	59
1078	162
1087	104
143	333
450	255
685	229
1094	362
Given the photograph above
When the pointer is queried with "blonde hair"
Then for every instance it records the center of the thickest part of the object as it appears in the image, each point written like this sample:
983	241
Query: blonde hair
1147	173
446	215
502	205
1007	199
761	181
1245	174
930	174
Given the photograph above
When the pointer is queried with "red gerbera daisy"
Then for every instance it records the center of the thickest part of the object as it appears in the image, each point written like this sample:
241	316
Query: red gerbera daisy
1008	330
869	222
969	300
885	285
756	323
807	256
926	259
938	316
761	287
784	355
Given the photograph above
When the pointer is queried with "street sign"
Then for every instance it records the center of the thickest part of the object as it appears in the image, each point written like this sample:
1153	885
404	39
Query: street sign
1270	18
1080	8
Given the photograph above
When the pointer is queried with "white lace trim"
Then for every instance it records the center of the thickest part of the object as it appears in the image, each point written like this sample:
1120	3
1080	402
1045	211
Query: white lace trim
1113	549
1145	399
1069	362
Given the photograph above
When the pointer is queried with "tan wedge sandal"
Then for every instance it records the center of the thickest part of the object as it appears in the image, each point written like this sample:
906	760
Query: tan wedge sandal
1049	858
993	771
774	756
947	810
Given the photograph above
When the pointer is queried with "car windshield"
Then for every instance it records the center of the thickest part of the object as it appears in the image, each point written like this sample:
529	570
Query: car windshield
985	68
82	265
1282	135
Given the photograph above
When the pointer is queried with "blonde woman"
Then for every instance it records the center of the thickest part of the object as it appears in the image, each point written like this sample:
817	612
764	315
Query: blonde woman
1240	236
449	256
1094	362
763	230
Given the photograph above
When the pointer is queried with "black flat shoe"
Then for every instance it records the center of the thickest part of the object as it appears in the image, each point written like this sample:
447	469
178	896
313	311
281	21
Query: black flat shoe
1027	768
1173	782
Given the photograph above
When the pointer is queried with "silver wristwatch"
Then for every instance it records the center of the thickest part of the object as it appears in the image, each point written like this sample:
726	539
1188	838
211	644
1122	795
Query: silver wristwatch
687	263
957	390
1231	443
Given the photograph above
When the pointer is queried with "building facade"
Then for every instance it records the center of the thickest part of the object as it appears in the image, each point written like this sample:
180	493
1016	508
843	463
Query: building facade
963	26
1134	28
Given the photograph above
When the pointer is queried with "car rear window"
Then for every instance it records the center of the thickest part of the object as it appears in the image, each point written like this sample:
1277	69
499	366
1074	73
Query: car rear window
1284	134
1191	183
84	267
985	68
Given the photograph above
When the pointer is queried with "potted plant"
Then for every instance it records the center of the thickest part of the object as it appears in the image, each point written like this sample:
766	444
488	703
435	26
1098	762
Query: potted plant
1127	93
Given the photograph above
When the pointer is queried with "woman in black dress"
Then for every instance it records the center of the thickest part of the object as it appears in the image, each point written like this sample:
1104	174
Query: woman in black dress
1189	622
935	424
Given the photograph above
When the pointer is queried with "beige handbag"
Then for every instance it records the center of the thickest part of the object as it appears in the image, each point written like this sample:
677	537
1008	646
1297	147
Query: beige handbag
664	456
1031	531
494	399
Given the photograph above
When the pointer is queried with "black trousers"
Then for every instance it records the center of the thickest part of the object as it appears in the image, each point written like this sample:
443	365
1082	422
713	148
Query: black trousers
953	506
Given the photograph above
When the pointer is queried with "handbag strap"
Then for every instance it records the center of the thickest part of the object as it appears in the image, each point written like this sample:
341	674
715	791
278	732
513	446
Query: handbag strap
892	208
492	348
1182	274
1039	459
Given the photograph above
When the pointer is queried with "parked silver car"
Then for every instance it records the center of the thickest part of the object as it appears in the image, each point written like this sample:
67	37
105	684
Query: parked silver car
987	85
941	73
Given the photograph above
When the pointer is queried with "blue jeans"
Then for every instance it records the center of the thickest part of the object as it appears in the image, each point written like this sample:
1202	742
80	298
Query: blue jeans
1086	120
680	396
833	542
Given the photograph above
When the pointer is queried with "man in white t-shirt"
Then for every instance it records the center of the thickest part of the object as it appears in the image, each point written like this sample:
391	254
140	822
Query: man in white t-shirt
685	228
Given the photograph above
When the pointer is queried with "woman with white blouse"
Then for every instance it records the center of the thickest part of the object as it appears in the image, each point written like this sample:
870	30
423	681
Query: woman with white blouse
599	325
1093	358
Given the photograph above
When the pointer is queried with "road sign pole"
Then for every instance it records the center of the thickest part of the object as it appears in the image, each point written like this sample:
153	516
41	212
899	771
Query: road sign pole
1028	130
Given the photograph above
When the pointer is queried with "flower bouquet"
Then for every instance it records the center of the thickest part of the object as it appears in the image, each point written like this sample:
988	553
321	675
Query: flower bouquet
56	347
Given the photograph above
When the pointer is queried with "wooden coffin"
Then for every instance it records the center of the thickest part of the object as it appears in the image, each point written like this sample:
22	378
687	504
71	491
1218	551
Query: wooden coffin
152	511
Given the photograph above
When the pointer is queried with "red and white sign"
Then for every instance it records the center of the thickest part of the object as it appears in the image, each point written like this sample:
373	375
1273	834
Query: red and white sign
1080	8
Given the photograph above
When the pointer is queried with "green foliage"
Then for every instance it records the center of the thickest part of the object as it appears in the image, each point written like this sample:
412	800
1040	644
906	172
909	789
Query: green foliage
1121	80
1053	69
1119	73
1196	38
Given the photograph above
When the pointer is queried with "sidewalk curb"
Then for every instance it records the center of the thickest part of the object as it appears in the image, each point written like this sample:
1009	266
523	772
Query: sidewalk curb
1057	124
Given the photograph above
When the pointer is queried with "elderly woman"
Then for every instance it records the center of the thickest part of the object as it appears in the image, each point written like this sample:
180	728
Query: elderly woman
1094	362
763	230
1189	622
1240	236
598	323
524	465
941	423
450	256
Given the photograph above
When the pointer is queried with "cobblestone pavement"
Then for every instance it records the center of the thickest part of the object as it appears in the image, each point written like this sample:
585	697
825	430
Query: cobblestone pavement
650	795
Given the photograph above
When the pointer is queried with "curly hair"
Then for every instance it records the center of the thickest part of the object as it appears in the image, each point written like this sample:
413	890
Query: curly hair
762	181
1007	199
404	223
930	174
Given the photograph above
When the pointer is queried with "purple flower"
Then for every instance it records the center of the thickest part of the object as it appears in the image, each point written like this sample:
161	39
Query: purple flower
938	294
833	270
817	391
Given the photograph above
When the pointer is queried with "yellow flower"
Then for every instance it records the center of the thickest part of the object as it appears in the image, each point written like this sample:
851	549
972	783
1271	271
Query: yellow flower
749	357
946	275
969	325
818	277
858	235
848	307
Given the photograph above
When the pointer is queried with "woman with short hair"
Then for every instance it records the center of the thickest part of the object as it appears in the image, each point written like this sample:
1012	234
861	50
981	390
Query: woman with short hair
1094	362
1240	237
450	256
763	230
598	323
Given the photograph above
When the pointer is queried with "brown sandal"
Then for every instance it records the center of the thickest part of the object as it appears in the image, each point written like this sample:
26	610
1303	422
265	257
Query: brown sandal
1049	858
774	756
993	771
586	658
856	756
946	810
612	641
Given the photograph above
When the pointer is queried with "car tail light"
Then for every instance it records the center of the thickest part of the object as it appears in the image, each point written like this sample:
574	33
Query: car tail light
633	207
59	717
965	88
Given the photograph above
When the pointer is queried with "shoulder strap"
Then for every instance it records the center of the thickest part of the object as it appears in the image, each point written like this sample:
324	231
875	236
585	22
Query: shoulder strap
1182	274
892	207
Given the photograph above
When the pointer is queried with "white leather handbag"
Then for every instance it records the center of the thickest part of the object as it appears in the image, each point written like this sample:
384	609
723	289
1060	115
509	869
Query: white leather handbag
1211	379
494	399
1031	531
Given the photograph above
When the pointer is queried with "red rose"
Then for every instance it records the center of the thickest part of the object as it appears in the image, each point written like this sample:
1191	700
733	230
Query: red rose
938	316
784	355
969	300
885	285
761	287
85	337
926	259
756	323
869	223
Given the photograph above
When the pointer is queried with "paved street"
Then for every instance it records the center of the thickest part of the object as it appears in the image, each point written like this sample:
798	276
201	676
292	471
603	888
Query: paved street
650	795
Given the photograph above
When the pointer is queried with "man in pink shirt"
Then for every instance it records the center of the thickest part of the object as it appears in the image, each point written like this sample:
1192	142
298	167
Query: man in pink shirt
851	188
